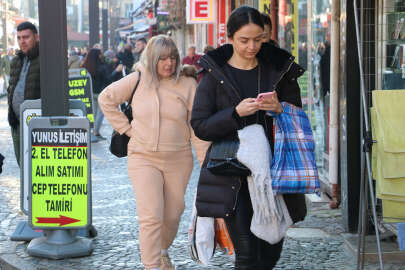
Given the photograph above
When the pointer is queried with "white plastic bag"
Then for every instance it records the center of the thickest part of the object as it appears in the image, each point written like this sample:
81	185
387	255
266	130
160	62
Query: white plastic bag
205	239
201	237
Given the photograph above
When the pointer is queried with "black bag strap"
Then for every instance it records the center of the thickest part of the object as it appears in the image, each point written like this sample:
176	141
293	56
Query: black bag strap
136	86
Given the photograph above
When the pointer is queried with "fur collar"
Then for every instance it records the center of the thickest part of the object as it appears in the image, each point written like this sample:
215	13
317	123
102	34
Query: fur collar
268	54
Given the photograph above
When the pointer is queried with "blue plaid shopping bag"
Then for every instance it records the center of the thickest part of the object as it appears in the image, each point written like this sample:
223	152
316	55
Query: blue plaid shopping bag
293	167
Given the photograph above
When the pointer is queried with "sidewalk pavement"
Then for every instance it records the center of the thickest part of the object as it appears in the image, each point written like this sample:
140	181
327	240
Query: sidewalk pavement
316	243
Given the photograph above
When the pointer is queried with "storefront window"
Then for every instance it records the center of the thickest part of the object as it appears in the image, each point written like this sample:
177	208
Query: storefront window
319	76
391	52
304	30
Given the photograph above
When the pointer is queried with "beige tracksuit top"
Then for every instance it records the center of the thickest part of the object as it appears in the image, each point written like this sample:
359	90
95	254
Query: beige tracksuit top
161	115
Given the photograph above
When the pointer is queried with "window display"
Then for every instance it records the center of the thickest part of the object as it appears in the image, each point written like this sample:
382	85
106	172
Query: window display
391	70
319	50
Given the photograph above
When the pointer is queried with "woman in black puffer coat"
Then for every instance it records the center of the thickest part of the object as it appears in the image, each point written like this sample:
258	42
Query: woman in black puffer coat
225	101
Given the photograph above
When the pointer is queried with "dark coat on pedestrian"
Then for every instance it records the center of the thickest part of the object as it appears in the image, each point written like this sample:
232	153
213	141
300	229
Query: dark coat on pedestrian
5	65
32	84
102	78
214	118
127	59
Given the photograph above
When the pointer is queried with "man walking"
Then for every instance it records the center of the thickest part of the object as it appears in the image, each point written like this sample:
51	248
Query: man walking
191	58
24	78
139	46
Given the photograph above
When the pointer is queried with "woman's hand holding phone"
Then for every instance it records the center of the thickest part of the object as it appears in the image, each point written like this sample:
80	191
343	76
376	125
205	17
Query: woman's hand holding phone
247	107
269	102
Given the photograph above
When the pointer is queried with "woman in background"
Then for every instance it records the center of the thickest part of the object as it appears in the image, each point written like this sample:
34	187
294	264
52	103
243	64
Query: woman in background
100	77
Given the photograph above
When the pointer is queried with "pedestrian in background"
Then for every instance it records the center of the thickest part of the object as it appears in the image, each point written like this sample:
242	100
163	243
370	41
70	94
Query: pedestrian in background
101	77
2	75
112	63
226	102
160	160
24	78
268	30
74	60
1	163
5	62
139	47
126	58
191	58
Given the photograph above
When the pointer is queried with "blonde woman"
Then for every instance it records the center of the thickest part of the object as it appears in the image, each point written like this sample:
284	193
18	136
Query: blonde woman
159	152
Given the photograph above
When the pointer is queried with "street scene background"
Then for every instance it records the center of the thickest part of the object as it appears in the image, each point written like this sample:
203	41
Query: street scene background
119	30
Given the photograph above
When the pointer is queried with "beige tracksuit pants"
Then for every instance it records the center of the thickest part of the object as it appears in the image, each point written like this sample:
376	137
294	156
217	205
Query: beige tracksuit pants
159	180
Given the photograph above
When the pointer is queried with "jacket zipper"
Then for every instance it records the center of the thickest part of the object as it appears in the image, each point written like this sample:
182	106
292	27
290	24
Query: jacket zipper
282	75
275	86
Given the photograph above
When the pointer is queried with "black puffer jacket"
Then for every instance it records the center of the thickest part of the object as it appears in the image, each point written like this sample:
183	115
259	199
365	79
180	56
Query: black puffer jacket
32	83
213	118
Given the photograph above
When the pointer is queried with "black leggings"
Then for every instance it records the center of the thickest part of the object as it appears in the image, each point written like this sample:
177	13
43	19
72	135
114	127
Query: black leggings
251	252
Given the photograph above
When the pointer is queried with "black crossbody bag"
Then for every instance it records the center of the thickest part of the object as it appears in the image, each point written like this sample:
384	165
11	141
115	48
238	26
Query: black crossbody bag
222	158
119	142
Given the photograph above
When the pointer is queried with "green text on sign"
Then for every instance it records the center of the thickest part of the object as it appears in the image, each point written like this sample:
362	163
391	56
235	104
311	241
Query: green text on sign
80	87
59	177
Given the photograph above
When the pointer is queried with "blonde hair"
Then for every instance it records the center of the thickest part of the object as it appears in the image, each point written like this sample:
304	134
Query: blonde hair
158	47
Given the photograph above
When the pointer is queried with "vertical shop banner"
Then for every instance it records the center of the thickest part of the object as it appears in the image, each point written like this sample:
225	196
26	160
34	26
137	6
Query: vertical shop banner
264	6
80	87
221	22
200	11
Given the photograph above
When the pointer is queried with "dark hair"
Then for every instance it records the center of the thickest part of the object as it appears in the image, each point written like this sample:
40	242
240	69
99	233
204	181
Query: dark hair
27	25
208	48
92	61
266	19
142	40
241	16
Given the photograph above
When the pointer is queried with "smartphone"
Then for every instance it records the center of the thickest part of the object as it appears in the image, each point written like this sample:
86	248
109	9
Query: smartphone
267	95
